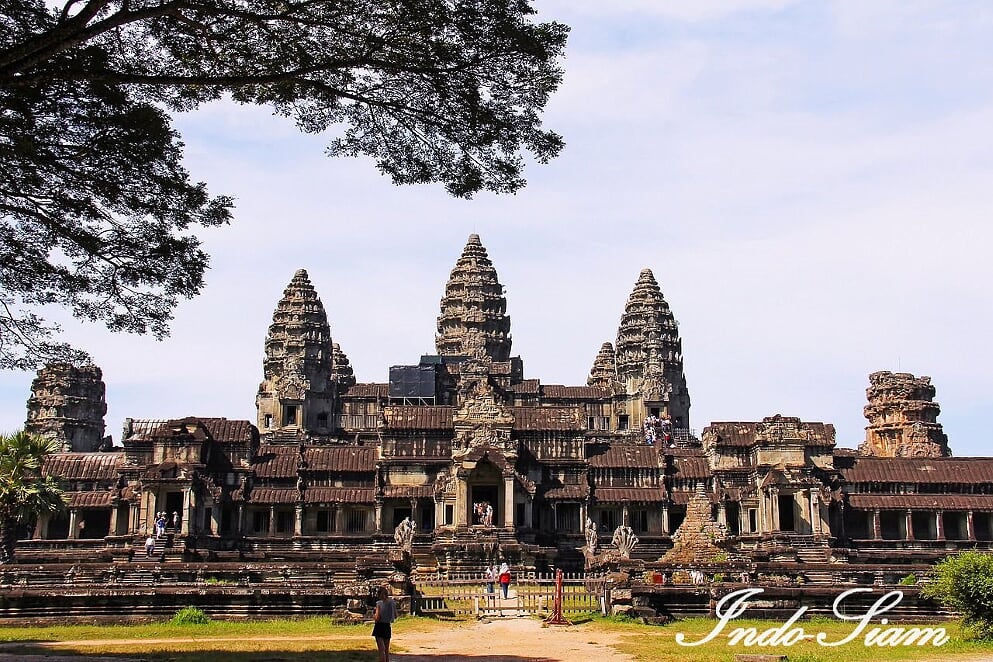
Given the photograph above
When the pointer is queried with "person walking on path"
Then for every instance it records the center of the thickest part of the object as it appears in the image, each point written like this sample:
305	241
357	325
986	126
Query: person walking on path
504	579
383	616
491	577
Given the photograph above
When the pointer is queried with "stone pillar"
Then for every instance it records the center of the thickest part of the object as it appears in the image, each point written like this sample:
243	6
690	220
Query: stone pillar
186	513
73	524
272	521
136	516
625	514
508	502
461	502
910	524
378	515
241	519
215	519
939	525
413	513
774	507
722	514
298	521
333	525
876	528
582	516
529	512
815	514
665	519
970	525
439	513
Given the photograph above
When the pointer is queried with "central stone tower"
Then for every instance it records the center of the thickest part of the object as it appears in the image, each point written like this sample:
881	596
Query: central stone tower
649	354
297	395
474	309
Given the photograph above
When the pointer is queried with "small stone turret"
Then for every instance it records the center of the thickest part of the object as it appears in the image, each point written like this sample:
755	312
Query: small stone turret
474	308
604	370
902	417
68	403
341	369
296	395
649	351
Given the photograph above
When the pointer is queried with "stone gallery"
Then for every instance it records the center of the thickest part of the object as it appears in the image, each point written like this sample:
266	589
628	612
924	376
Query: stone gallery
462	462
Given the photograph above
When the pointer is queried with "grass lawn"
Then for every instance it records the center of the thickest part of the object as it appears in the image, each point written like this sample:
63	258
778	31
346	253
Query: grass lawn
227	641
658	644
321	640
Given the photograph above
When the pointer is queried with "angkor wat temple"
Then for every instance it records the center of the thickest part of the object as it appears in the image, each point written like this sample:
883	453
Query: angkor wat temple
332	466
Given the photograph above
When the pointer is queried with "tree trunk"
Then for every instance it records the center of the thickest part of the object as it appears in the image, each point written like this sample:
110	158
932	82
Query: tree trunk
8	538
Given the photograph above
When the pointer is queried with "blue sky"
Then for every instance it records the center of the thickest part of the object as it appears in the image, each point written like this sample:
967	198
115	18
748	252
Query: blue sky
809	181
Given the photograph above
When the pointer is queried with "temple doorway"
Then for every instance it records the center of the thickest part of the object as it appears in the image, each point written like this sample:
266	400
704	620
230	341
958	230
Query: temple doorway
484	494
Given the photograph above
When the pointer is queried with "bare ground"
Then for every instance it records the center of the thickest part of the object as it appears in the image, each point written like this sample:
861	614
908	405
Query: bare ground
498	640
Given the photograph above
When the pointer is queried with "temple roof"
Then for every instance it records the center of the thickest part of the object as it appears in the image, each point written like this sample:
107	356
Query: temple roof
690	465
82	466
623	456
743	434
411	417
981	502
221	430
368	391
856	469
558	392
546	418
284	461
634	494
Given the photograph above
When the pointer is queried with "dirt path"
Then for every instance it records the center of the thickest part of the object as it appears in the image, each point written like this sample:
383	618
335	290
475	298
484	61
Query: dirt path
510	640
499	640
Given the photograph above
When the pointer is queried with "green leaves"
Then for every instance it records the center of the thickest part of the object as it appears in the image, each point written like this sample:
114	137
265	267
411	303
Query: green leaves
964	583
95	207
24	492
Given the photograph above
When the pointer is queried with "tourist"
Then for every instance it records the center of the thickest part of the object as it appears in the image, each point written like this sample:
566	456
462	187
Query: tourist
489	514
666	428
160	524
175	521
491	577
149	546
504	579
384	615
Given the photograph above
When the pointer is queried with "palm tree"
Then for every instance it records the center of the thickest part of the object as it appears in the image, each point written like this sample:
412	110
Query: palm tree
24	492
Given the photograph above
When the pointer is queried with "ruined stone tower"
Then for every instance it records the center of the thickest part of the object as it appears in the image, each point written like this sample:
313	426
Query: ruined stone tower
296	394
902	417
649	353
474	309
68	403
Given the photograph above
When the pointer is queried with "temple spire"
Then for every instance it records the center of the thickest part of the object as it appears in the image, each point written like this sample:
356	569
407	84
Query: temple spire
604	370
649	350
294	395
473	317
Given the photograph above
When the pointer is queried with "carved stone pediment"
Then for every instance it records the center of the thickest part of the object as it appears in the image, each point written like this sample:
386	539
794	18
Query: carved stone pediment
293	387
480	419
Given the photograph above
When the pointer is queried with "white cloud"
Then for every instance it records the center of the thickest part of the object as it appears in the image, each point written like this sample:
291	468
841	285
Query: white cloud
806	231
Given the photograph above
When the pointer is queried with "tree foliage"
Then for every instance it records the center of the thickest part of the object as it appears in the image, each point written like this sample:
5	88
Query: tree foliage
24	492
964	583
96	210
